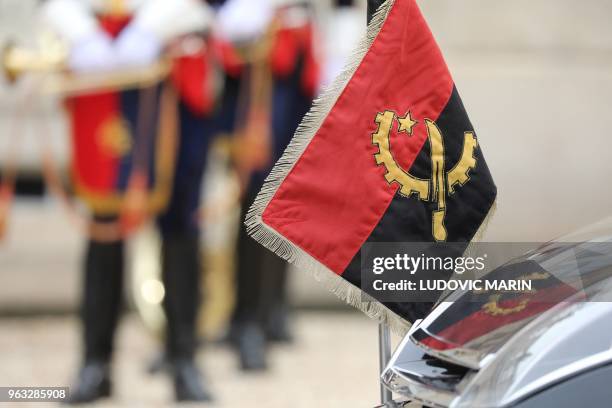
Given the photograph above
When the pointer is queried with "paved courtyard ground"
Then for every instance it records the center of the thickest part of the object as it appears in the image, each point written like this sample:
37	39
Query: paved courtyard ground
333	363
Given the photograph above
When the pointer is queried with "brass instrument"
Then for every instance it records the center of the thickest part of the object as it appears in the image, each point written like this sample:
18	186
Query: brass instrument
49	59
50	55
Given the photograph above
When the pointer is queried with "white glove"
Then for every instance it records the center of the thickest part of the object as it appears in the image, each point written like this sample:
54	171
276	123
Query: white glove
137	47
244	20
91	53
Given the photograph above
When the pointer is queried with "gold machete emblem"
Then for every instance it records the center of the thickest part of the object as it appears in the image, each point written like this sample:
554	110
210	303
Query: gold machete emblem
434	189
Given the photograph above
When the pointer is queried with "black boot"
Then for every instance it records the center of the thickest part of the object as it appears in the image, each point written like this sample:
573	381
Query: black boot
93	383
274	307
101	305
247	331
188	382
251	344
181	275
277	329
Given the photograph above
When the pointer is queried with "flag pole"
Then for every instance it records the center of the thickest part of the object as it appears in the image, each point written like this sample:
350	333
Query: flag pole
384	335
384	355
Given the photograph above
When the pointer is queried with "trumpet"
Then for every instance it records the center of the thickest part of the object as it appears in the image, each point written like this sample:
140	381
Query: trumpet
50	58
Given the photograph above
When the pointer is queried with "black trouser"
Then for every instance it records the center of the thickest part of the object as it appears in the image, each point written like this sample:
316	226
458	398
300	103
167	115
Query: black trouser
181	270
102	295
261	276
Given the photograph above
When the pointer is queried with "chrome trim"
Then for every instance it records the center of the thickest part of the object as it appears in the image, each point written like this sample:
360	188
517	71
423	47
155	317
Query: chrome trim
407	383
409	386
458	356
400	347
437	337
401	404
435	313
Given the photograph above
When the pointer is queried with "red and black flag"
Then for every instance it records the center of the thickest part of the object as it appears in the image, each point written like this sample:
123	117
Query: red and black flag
387	154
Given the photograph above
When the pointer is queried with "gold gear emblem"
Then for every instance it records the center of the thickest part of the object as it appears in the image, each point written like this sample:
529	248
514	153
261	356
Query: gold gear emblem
433	189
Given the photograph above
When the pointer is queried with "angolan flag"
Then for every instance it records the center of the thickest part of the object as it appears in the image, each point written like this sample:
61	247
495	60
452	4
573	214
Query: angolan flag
387	154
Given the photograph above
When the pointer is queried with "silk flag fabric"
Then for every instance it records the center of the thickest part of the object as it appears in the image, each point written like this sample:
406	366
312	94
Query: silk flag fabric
387	154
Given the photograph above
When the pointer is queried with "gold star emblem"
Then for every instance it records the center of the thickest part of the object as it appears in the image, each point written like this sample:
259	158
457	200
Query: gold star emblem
406	124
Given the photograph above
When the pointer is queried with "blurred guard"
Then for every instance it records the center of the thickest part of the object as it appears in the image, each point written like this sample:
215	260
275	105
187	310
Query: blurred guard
278	82
113	35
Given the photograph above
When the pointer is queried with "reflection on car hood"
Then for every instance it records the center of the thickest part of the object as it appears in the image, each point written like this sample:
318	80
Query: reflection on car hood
470	327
